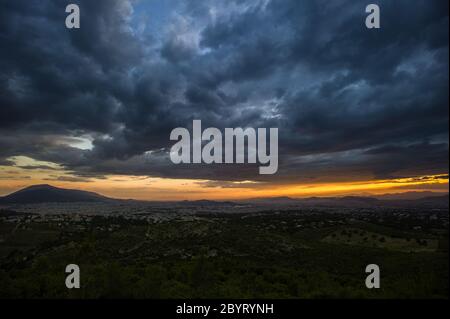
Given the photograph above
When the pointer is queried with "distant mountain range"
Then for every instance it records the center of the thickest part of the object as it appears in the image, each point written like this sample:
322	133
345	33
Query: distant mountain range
435	201
47	194
408	195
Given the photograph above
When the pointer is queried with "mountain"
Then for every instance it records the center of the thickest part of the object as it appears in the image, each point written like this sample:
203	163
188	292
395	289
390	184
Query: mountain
409	195
434	201
271	201
316	201
47	193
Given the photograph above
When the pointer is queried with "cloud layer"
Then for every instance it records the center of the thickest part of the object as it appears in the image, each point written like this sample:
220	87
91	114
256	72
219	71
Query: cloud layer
349	102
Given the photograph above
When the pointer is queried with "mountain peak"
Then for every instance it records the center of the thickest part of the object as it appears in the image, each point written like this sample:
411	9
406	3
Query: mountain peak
44	193
40	186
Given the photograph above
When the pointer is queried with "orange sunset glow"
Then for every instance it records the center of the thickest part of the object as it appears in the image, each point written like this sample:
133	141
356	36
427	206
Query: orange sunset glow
148	188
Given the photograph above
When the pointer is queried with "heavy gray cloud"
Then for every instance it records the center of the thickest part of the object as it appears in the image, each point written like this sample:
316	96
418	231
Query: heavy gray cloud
348	101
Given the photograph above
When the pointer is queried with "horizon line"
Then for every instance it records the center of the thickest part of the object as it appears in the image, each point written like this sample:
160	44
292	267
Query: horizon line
368	195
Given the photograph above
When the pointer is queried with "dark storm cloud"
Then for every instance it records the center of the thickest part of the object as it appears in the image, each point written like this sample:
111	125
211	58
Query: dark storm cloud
36	167
347	100
429	158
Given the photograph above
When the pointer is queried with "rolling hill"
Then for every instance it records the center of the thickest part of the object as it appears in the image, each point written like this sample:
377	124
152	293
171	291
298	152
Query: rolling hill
47	193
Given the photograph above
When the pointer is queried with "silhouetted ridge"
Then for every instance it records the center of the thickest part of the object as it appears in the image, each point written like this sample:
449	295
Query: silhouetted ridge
47	194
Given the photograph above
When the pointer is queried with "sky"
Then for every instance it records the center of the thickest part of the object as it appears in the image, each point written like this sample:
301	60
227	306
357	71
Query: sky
359	111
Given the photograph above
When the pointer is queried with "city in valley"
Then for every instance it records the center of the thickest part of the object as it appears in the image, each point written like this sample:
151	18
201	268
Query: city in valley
256	248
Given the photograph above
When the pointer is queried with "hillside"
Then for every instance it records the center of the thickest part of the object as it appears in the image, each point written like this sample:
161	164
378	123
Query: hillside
47	193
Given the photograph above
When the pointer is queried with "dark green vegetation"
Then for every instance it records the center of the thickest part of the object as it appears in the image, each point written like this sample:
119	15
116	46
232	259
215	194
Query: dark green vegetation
287	254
